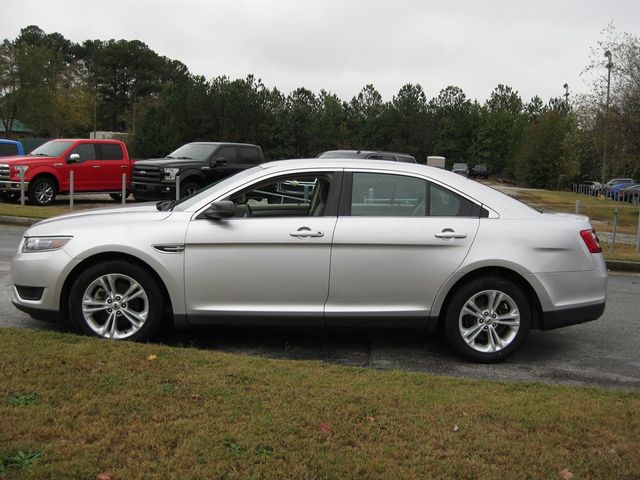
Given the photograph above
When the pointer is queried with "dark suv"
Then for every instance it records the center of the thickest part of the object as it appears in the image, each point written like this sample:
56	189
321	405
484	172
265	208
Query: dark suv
394	157
198	164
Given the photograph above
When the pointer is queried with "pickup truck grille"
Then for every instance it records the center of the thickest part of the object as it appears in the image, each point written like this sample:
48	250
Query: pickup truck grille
4	171
145	174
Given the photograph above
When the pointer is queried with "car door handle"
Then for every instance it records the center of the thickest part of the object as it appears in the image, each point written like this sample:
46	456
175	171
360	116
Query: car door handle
305	232
58	164
96	166
123	166
449	233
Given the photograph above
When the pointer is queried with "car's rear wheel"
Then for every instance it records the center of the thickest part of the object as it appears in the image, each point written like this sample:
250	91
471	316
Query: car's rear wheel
487	319
117	300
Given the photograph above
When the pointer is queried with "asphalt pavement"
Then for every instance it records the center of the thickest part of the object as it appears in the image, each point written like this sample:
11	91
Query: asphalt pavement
601	353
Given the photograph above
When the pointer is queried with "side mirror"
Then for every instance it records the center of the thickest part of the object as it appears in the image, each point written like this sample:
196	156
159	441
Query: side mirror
221	209
216	162
74	158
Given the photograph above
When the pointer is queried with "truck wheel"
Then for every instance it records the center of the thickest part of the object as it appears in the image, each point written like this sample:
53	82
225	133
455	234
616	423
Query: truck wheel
487	319
42	191
9	196
189	188
117	197
117	300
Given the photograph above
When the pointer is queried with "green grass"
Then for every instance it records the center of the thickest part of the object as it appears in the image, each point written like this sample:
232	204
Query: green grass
105	407
30	211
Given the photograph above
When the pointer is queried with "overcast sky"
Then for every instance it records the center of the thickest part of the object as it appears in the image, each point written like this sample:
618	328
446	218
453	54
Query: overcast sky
342	45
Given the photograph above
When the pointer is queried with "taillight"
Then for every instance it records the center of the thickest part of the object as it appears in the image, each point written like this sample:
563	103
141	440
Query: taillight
591	240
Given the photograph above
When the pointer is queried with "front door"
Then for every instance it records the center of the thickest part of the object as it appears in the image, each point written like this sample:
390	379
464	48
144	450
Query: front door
270	261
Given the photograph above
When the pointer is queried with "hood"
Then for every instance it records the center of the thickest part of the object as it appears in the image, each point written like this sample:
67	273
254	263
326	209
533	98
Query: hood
89	219
169	162
22	159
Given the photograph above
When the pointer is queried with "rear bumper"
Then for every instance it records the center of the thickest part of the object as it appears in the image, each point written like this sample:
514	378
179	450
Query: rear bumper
571	316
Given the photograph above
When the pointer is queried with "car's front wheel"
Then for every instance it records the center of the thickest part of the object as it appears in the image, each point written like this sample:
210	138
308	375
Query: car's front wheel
42	191
487	319
117	300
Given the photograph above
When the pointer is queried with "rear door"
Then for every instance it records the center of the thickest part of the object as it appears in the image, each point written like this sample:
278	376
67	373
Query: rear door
113	165
397	239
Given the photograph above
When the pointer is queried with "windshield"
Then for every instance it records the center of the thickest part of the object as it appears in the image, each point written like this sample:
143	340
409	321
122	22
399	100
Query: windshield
210	191
51	149
194	151
461	166
341	154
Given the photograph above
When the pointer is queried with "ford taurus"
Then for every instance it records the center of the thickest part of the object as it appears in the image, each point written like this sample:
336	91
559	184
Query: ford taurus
374	243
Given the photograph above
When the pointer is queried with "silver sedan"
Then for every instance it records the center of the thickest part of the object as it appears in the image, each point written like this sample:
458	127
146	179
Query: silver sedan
360	243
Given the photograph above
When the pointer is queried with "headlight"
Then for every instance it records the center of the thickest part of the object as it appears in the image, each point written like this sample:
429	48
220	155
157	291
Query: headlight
170	173
43	244
17	168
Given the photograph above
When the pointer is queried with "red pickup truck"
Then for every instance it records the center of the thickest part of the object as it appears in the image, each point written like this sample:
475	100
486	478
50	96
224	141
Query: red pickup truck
97	166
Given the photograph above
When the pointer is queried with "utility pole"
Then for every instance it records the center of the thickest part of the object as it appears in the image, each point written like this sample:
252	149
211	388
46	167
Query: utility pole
605	130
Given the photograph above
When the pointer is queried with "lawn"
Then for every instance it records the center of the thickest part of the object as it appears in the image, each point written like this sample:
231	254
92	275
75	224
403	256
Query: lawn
74	407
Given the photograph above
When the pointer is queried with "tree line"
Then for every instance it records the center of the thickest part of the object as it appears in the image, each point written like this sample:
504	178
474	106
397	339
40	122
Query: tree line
64	89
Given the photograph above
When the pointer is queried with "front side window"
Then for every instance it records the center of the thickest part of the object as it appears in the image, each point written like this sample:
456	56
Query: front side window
8	149
87	151
389	195
296	195
226	154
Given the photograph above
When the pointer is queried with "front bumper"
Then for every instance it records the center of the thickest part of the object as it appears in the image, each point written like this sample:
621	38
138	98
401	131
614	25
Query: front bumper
11	186
154	191
42	272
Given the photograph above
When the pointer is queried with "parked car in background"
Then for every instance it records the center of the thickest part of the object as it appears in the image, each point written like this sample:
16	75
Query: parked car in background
198	164
400	245
372	155
480	171
97	166
10	148
625	191
592	186
436	161
614	192
461	169
632	194
606	188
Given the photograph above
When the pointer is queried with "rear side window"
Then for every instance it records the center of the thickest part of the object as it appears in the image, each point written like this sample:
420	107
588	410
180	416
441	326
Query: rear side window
249	155
384	195
87	151
8	149
111	151
388	195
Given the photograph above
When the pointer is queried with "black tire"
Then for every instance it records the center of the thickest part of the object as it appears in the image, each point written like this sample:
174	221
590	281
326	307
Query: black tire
9	197
42	191
89	291
189	188
117	197
485	335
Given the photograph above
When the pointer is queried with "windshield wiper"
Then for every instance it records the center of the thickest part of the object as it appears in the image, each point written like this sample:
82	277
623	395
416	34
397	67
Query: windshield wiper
168	156
38	155
184	158
165	205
